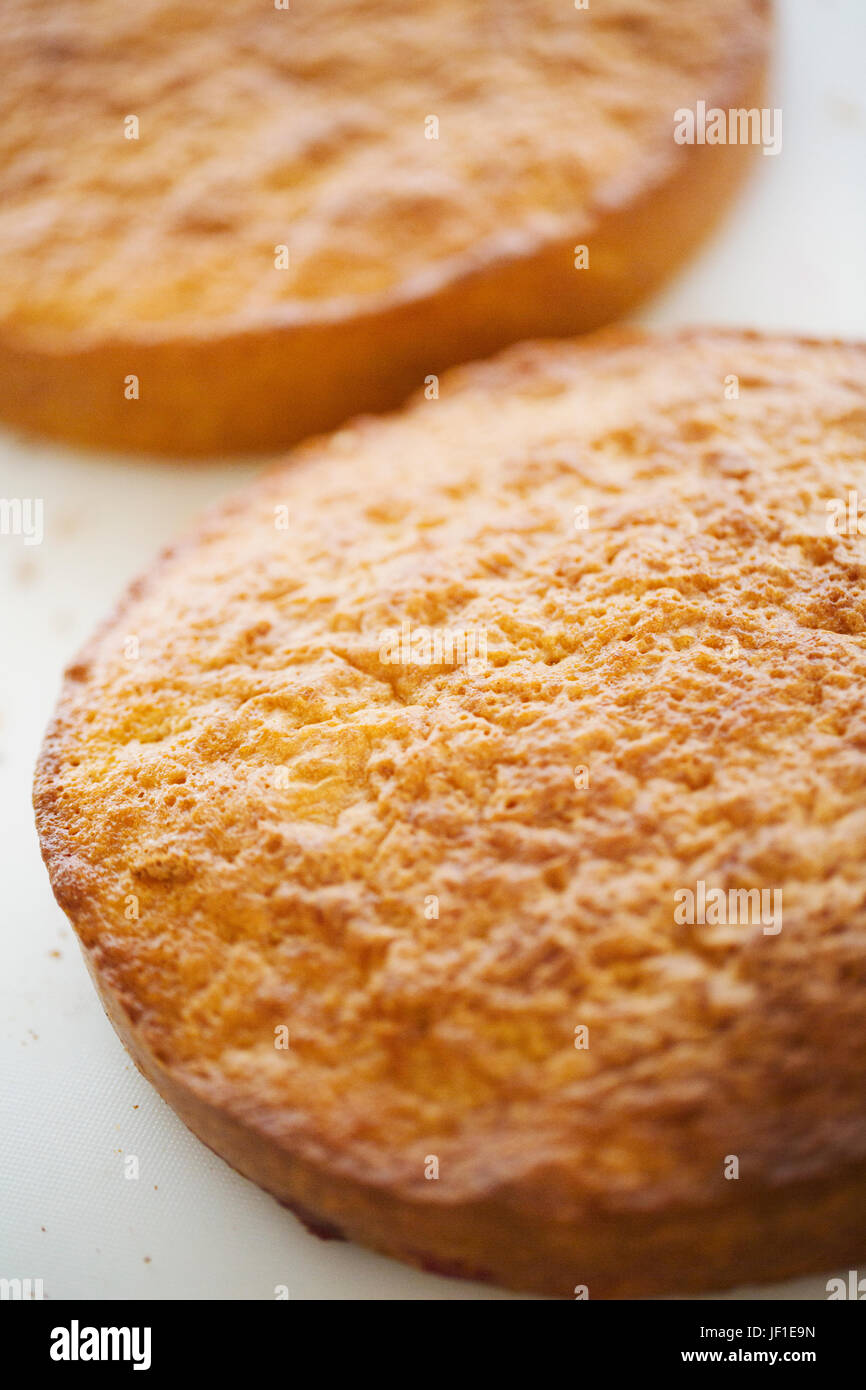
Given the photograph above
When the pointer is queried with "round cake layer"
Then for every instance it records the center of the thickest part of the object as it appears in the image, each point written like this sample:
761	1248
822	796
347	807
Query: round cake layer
466	826
224	227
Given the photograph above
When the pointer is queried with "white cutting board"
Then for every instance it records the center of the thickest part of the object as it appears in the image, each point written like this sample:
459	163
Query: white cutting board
791	255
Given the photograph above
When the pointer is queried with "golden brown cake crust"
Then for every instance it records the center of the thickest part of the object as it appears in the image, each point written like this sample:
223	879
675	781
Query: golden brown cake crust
281	801
260	128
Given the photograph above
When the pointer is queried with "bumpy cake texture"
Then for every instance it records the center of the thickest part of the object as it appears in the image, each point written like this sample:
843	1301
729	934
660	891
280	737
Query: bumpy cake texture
225	226
435	873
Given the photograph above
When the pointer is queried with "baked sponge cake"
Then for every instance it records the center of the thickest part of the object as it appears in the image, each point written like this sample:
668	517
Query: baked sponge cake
226	226
465	828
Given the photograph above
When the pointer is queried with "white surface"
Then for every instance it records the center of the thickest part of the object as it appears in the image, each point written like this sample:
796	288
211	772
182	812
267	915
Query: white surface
791	256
